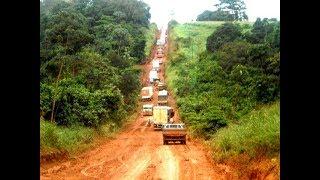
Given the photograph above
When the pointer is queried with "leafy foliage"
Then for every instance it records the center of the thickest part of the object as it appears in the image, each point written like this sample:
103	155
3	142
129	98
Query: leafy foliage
218	15
226	33
234	7
87	52
219	85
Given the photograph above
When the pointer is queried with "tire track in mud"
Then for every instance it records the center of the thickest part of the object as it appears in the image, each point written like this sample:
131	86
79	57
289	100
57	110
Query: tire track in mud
118	162
169	167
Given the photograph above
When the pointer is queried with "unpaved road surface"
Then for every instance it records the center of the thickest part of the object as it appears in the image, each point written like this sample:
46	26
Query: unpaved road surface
138	153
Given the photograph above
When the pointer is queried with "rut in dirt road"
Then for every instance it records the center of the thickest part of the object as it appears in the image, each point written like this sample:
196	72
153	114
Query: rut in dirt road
138	153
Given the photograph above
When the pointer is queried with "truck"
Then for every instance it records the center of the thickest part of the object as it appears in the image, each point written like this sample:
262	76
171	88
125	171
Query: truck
161	86
159	55
161	115
173	133
155	65
147	110
160	48
163	98
153	76
147	93
160	42
159	51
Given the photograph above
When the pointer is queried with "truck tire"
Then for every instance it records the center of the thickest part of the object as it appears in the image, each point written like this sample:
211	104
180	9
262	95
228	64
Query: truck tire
164	142
184	141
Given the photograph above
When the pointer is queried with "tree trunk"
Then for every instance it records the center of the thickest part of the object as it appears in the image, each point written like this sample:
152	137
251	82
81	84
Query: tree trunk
73	70
54	101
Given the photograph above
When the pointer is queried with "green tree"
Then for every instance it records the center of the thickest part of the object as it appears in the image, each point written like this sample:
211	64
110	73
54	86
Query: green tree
228	32
218	15
69	30
260	30
232	54
235	7
87	50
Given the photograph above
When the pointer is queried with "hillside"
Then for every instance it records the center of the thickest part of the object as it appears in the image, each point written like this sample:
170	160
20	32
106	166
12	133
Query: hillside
218	89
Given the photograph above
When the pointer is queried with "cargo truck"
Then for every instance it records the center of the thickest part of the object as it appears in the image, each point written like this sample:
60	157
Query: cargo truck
153	76
155	65
163	98
147	93
147	110
173	133
161	115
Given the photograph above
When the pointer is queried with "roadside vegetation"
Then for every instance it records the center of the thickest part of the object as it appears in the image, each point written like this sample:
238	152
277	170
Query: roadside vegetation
226	79
88	81
257	131
151	39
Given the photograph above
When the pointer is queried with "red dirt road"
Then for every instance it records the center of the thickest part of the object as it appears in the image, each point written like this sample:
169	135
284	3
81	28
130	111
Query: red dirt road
138	153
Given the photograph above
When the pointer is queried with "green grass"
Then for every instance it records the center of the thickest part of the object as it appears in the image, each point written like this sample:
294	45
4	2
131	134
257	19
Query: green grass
259	131
73	139
150	38
191	39
198	33
55	138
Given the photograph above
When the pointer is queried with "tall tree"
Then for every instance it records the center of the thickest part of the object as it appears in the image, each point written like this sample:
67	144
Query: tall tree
218	15
235	7
263	30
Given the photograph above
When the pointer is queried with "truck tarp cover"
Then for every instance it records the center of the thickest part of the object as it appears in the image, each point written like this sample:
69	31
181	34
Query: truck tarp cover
160	114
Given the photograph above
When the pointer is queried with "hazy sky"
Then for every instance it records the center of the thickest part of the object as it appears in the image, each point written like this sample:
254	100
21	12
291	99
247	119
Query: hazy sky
187	10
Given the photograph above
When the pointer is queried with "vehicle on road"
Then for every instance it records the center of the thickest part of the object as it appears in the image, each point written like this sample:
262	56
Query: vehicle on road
153	76
163	98
162	86
160	42
147	109
174	132
161	115
147	93
160	54
155	65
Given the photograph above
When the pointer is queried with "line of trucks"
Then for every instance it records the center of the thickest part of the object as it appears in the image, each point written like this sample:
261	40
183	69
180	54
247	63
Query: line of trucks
161	113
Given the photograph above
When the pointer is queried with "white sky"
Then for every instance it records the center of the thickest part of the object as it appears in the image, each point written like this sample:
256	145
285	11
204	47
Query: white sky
188	10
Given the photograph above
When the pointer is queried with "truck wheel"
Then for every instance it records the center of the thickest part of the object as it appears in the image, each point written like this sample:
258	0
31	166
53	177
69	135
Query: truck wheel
184	141
164	142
